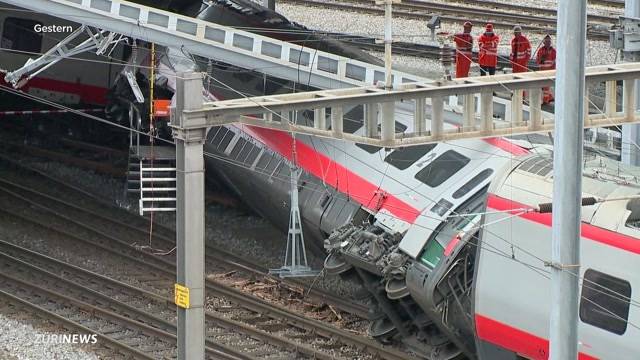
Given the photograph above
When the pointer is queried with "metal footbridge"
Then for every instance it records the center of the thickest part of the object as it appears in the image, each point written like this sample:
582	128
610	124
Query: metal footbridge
244	49
426	103
213	41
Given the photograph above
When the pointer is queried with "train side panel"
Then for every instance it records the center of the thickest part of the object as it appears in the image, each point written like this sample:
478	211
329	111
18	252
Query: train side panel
513	288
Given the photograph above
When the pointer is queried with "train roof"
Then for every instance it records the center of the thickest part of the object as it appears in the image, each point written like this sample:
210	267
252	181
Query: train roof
529	181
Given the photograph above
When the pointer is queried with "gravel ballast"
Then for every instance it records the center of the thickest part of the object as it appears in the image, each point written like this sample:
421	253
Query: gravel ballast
23	341
409	30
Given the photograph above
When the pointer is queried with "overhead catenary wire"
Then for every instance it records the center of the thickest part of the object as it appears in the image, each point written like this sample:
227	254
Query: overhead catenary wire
537	269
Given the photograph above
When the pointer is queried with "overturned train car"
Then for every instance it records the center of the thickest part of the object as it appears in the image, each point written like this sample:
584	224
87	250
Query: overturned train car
436	234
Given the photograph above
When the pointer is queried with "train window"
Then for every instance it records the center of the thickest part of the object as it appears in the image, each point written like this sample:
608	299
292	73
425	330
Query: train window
442	168
264	161
218	133
299	57
633	221
604	302
356	72
405	157
380	76
371	149
243	42
214	34
432	254
441	207
350	126
327	64
18	34
270	169
271	49
237	148
252	155
471	184
245	151
226	140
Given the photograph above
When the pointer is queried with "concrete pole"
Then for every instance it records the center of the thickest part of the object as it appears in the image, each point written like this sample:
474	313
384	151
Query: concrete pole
567	183
189	134
269	4
388	131
631	133
388	39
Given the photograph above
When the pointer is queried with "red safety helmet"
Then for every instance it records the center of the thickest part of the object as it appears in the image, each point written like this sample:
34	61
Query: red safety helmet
489	27
467	24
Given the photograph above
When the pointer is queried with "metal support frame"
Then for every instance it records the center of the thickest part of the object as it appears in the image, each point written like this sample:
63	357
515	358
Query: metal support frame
567	180
372	97
213	41
189	133
99	40
295	259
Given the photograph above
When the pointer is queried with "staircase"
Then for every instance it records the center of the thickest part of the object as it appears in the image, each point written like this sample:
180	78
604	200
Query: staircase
152	177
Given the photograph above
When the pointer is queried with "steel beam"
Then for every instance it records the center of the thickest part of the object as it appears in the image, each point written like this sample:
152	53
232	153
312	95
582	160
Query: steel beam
213	41
406	92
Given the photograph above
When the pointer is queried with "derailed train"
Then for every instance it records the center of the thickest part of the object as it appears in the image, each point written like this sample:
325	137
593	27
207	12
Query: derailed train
445	238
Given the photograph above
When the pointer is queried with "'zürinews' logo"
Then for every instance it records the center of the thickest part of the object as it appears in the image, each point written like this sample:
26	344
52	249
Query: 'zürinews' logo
66	339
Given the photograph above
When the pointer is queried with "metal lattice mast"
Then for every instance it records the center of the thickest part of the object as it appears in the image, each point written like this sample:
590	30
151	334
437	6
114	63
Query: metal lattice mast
295	259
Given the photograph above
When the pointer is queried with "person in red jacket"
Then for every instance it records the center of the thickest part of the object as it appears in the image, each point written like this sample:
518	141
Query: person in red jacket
520	51
488	51
464	46
546	60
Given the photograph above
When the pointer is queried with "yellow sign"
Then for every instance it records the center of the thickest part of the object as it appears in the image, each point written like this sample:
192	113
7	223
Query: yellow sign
181	296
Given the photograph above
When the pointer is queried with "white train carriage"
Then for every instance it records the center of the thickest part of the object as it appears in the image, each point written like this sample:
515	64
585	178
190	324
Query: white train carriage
513	286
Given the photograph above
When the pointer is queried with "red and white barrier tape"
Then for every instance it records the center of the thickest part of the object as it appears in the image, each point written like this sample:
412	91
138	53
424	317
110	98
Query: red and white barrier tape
35	112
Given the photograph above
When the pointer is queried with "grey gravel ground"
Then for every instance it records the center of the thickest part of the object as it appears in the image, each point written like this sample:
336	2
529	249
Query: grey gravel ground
21	341
598	52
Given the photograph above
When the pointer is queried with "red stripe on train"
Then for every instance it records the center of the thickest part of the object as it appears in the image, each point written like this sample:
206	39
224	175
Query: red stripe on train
506	145
588	231
516	340
334	174
343	179
89	94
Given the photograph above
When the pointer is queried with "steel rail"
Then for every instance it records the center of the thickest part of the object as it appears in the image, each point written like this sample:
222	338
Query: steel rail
452	13
85	282
213	254
222	290
31	293
9	300
518	8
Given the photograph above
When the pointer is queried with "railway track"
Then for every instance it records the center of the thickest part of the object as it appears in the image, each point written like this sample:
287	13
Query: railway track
122	222
143	306
517	8
252	310
42	317
137	330
122	219
459	13
619	4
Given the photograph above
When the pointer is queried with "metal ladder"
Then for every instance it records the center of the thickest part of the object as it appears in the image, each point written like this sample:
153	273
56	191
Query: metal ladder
157	186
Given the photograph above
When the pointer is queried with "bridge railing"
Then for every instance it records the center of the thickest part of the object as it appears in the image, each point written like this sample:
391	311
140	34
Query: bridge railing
475	97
